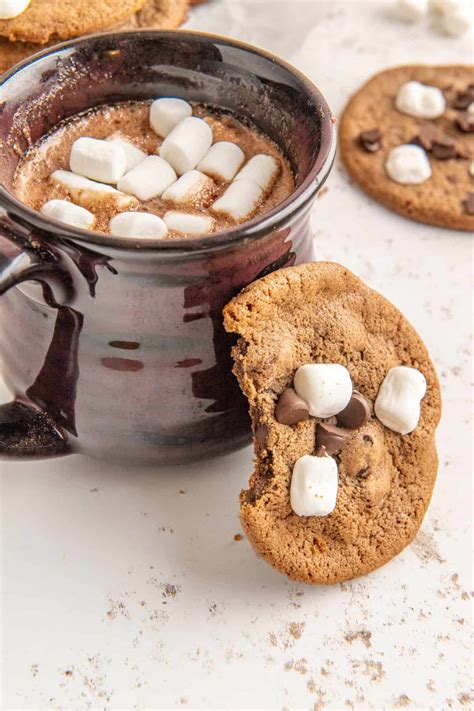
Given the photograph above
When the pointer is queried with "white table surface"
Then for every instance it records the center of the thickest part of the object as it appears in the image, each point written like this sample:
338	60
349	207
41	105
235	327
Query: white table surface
120	592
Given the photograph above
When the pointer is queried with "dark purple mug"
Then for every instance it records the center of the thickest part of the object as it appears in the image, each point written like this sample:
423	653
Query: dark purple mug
114	348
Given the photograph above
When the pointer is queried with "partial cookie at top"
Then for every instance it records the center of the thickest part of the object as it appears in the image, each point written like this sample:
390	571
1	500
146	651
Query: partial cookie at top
158	15
440	200
321	313
47	20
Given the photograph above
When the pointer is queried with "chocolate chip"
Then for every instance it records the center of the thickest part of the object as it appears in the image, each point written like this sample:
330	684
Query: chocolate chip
331	437
370	140
464	98
356	413
433	140
469	204
465	123
290	408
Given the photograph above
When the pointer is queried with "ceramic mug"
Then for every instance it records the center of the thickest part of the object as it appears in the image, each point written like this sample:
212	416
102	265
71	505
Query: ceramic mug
115	348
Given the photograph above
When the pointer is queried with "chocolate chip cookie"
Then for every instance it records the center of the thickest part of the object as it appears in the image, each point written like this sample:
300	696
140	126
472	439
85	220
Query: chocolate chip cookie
333	374
439	188
47	20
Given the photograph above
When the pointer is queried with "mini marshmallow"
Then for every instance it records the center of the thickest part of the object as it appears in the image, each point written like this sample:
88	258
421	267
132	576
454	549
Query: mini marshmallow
313	490
192	187
188	224
12	8
70	214
411	10
187	144
456	21
133	154
87	191
471	169
470	108
325	387
262	169
398	401
239	200
138	225
166	113
148	179
420	100
98	160
408	165
222	161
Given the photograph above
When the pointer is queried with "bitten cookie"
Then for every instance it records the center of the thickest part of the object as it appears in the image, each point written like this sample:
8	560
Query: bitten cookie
46	20
333	374
406	137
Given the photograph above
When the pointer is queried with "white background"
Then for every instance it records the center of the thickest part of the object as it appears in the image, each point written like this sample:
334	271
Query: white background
91	552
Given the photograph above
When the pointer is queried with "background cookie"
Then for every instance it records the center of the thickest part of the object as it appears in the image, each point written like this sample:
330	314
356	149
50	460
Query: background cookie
159	15
322	313
441	199
45	20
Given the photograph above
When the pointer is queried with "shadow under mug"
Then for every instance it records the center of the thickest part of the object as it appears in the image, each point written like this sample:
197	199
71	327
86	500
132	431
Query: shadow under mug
115	348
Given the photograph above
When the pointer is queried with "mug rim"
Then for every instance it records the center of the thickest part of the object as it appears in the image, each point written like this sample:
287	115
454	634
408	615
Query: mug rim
251	229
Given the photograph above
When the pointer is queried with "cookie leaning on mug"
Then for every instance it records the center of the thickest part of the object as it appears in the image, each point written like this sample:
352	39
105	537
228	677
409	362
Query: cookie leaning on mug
406	137
337	490
47	20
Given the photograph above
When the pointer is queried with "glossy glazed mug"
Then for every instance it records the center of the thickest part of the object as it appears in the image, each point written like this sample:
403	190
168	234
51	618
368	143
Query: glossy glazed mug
115	348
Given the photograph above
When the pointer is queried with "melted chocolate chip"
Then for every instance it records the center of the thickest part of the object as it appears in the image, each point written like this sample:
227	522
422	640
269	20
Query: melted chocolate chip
464	98
370	140
356	413
465	123
331	438
290	408
436	142
469	204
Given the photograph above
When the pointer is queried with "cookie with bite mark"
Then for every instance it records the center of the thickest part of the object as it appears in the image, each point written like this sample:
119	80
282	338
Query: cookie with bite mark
371	126
322	314
47	20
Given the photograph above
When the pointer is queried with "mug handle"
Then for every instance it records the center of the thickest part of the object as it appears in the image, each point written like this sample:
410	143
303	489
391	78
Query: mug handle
26	431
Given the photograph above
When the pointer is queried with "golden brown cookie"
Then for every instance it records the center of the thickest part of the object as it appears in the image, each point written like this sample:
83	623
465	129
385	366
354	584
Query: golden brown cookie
13	52
441	199
322	313
47	20
159	15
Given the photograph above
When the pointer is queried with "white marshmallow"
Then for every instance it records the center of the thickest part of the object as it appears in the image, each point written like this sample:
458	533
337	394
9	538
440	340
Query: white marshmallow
166	113
192	187
420	100
470	108
70	214
138	225
148	179
187	144
398	401
411	10
456	21
133	154
471	169
12	8
87	191
222	161
408	165
187	223
325	387
262	169
313	490
239	200
98	160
